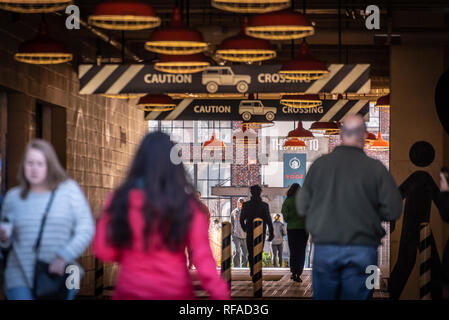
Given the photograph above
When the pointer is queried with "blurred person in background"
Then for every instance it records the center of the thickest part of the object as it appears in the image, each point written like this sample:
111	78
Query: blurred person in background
296	233
239	237
444	212
278	241
68	229
148	222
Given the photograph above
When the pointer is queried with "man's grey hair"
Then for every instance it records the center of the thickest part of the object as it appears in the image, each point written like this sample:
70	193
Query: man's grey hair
358	132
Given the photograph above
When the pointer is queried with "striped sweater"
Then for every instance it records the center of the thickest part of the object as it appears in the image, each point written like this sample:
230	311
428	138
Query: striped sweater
68	230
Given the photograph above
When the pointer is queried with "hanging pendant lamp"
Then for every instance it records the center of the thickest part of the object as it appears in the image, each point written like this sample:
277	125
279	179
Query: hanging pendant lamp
280	25
245	137
213	144
243	48
300	132
124	15
42	49
305	67
176	38
326	128
250	6
379	144
383	103
34	6
294	144
302	101
182	63
370	139
156	102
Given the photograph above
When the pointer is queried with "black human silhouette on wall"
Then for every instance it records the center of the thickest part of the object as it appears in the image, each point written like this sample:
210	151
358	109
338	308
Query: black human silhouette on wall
418	190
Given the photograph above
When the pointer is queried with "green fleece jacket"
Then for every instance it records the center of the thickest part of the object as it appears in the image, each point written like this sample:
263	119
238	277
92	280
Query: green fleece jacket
291	216
345	197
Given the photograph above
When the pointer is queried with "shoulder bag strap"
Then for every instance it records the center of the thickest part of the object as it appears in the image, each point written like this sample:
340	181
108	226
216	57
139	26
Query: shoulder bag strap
47	209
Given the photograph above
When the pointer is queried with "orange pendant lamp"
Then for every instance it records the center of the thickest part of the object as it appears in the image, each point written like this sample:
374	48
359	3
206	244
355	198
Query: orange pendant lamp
34	6
302	101
182	64
250	6
42	49
380	144
176	38
370	139
124	15
156	102
305	67
243	48
294	138
280	25
213	144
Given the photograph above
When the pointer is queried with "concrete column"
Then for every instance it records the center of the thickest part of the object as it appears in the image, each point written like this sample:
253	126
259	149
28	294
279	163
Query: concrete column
414	74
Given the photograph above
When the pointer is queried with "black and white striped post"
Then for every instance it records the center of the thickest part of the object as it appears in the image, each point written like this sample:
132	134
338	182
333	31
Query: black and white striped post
226	251
99	276
257	257
424	259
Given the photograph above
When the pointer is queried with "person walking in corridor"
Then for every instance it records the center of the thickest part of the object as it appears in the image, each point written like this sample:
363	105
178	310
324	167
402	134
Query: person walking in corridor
239	237
252	209
296	233
147	224
345	197
44	189
278	241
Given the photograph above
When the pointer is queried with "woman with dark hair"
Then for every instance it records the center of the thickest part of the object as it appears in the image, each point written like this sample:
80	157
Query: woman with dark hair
147	224
296	233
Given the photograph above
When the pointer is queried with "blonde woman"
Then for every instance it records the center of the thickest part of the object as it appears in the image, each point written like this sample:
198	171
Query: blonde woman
67	231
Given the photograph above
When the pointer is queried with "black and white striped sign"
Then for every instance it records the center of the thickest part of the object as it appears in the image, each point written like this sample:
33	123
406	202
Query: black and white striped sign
140	78
192	109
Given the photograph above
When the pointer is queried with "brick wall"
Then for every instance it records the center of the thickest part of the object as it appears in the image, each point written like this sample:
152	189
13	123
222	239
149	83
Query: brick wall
102	133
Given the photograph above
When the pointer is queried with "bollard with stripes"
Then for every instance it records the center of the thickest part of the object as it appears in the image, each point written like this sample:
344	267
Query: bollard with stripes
257	257
425	251
99	273
226	251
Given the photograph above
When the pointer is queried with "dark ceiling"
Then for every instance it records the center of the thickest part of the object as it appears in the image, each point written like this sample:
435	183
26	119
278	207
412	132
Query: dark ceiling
359	45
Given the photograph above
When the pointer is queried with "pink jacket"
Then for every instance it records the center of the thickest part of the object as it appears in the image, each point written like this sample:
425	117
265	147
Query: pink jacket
160	274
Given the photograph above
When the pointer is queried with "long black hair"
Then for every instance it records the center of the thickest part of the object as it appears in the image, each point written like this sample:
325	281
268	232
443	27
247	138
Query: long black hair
168	195
293	189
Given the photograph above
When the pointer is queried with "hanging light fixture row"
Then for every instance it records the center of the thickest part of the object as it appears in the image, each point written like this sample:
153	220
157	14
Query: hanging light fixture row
124	15
250	6
34	6
302	101
156	102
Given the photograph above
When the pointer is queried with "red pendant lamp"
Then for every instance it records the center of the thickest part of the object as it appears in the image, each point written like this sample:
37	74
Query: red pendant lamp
213	144
42	49
156	102
176	38
124	15
380	144
294	137
34	6
370	139
302	101
250	6
383	103
305	67
243	48
326	128
182	63
279	25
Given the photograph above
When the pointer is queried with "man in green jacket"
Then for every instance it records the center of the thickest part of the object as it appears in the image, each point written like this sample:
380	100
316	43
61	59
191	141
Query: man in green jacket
345	197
